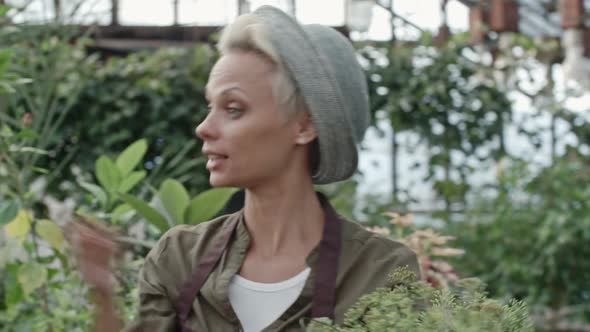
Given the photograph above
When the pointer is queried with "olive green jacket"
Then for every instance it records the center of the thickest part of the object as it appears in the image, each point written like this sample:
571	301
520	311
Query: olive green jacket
366	260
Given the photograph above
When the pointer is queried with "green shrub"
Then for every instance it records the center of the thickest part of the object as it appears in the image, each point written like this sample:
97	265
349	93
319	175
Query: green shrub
531	240
158	96
83	107
415	306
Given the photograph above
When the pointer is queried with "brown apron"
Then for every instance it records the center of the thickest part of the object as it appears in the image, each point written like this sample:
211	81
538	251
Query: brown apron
324	297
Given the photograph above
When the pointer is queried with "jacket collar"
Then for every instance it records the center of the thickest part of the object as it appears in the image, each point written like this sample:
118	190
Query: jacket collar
216	288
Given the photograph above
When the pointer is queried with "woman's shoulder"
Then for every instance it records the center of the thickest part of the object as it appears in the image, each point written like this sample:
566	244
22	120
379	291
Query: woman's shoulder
364	246
358	234
366	263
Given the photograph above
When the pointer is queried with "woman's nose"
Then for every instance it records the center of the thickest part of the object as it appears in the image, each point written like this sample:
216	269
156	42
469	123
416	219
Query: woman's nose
205	129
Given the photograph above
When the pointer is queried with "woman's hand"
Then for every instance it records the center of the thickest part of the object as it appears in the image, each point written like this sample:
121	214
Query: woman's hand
94	249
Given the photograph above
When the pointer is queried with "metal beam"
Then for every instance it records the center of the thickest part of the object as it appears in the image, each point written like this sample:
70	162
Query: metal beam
114	12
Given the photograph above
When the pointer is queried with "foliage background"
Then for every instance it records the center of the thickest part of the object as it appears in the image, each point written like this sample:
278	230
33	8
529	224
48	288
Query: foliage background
63	108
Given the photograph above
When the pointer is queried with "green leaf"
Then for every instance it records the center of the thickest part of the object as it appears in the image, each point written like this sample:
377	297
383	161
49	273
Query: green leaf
131	156
8	211
19	227
28	149
5	57
3	10
175	199
27	133
31	276
40	170
207	204
50	232
107	173
96	191
6	131
146	211
120	211
130	181
22	80
6	88
10	251
14	292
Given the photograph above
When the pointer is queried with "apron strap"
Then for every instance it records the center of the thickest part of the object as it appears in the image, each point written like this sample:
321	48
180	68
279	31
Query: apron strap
324	296
190	289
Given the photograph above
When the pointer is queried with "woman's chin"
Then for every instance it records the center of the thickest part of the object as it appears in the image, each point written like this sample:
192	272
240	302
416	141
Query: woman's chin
220	181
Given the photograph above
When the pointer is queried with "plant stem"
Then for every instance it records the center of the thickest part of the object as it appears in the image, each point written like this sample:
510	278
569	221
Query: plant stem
44	287
13	169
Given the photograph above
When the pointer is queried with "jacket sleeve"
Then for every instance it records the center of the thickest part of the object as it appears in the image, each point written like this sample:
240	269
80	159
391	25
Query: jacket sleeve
156	311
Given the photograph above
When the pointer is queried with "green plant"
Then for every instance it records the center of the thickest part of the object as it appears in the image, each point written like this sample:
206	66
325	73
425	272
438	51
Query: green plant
83	107
179	207
116	178
529	240
56	71
37	286
40	289
34	269
155	95
416	306
436	95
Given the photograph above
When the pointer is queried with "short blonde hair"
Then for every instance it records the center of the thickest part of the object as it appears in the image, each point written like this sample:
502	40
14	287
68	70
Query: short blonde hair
248	33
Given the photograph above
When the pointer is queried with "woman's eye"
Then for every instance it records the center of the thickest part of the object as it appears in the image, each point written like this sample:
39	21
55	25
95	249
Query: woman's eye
234	111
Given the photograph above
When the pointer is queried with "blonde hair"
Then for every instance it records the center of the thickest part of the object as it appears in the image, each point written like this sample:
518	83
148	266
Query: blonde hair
248	33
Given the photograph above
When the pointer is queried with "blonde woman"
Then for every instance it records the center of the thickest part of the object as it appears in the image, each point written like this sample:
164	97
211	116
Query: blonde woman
287	105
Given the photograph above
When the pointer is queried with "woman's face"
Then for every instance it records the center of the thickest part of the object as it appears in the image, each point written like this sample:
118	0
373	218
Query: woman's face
247	138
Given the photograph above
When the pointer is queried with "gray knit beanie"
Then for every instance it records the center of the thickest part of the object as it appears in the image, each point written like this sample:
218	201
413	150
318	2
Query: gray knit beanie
323	64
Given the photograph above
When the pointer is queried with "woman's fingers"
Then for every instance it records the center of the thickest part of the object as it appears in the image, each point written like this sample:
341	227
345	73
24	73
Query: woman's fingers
82	236
93	250
96	275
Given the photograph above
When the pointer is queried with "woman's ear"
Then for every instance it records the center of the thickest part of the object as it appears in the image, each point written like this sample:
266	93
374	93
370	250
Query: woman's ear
306	131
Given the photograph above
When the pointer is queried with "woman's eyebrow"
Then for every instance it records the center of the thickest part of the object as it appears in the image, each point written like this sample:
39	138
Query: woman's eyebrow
223	92
228	90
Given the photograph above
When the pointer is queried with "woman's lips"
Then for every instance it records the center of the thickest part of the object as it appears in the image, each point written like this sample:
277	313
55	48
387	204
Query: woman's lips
215	161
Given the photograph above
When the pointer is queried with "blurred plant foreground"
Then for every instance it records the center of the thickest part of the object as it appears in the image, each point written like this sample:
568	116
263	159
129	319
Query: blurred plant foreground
111	138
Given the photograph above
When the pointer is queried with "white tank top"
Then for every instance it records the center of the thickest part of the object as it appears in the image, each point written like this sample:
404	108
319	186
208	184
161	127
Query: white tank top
257	304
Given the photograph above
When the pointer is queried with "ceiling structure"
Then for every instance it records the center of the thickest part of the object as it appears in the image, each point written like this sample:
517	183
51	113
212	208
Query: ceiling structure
537	18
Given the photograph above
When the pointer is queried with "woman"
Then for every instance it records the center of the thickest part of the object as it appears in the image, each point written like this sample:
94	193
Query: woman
287	105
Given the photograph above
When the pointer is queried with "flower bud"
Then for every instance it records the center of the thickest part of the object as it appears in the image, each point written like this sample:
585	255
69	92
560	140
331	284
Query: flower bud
27	119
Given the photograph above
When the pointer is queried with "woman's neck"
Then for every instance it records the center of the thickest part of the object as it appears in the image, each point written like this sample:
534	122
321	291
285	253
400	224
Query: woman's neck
283	220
